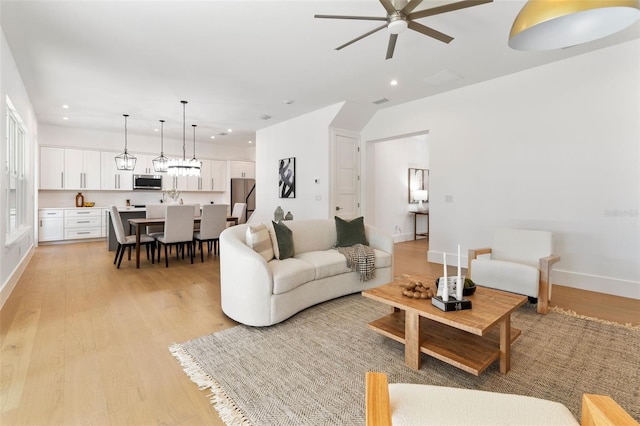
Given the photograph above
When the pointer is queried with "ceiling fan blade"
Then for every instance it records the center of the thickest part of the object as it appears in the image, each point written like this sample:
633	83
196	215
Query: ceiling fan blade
446	8
392	45
362	36
366	18
388	6
430	32
410	7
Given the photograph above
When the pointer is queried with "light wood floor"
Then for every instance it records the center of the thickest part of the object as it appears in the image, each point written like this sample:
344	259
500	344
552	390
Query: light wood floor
85	343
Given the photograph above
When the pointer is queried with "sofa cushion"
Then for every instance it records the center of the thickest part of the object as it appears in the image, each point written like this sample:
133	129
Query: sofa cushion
350	232
326	263
290	273
507	276
383	259
284	238
259	240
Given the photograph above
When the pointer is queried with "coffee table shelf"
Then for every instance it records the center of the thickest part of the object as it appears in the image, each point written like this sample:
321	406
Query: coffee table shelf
469	352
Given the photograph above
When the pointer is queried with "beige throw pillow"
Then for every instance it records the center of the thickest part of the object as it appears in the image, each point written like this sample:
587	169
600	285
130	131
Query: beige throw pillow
259	240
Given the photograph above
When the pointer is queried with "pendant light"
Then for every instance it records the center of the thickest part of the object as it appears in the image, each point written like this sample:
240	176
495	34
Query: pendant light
125	161
161	163
555	24
194	161
182	166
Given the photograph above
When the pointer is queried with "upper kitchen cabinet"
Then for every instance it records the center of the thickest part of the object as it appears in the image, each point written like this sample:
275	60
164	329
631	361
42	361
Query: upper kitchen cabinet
213	177
51	168
144	165
242	169
111	177
81	169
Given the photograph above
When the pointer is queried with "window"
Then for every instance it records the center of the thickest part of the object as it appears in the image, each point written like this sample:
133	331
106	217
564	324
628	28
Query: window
15	171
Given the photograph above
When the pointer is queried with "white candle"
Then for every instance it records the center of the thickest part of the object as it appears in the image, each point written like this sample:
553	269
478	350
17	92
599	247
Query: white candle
445	285
459	283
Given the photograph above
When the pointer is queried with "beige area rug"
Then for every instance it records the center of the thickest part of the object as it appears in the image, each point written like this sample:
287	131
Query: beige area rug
310	370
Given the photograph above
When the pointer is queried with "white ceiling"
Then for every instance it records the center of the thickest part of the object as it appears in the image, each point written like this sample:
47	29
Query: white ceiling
237	60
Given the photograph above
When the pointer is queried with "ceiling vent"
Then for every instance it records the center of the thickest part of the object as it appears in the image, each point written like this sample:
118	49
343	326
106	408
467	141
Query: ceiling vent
264	117
381	101
223	134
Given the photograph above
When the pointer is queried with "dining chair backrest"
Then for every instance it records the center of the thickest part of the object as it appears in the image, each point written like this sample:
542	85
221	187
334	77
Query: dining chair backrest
155	211
178	225
239	212
197	209
214	221
116	220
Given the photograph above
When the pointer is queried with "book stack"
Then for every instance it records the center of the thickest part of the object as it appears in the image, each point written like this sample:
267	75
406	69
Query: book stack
450	305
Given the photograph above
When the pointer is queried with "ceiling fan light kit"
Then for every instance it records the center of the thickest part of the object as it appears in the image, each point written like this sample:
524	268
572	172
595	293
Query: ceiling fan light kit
556	24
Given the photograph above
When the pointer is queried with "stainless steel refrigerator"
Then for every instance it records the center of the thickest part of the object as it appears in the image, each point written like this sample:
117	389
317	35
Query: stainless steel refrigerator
244	191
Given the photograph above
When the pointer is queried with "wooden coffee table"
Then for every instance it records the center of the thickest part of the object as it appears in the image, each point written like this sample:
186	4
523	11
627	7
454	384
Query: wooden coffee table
470	339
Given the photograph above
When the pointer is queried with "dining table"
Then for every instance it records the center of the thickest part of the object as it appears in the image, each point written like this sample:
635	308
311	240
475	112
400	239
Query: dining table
140	223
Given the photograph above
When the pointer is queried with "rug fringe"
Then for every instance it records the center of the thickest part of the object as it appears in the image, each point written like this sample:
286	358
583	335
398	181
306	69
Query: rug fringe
229	413
574	314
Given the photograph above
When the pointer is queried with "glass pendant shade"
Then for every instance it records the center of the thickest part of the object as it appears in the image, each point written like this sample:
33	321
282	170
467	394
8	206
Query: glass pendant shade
556	24
161	163
184	167
125	161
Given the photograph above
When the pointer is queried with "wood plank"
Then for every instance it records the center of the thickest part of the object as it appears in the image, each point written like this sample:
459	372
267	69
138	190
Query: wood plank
466	351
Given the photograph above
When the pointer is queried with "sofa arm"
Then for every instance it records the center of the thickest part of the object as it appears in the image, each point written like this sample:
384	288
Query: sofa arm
473	254
378	239
246	282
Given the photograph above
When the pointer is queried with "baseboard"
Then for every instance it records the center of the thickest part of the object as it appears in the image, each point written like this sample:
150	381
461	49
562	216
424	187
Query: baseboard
400	238
11	283
606	285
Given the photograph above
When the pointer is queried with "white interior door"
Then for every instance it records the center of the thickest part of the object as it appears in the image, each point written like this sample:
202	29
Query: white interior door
346	176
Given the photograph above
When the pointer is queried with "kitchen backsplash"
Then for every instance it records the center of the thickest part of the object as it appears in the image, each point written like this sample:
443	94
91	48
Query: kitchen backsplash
57	199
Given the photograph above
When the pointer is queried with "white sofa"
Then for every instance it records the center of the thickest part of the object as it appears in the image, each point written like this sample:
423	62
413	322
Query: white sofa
260	293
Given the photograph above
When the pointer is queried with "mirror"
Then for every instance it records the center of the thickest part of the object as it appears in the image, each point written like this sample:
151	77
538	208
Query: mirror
418	185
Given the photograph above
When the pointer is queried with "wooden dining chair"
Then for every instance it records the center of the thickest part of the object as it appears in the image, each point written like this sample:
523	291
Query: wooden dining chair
178	231
213	222
128	241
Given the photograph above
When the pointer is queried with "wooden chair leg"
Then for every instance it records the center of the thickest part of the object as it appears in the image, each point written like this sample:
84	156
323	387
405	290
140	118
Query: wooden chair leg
121	255
115	259
201	251
192	248
129	253
166	257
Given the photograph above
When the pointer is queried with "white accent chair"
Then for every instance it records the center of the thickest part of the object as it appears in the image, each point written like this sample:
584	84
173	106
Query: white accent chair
239	211
519	261
213	222
155	211
127	241
178	231
403	404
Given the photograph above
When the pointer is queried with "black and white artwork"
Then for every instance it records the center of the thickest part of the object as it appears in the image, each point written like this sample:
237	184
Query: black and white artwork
287	181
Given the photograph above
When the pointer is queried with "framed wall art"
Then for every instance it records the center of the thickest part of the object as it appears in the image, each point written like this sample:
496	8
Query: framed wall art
287	178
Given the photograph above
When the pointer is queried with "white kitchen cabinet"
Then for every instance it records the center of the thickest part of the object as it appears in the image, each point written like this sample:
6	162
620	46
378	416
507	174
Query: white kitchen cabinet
82	223
181	183
242	169
111	177
218	176
51	168
144	165
81	169
50	224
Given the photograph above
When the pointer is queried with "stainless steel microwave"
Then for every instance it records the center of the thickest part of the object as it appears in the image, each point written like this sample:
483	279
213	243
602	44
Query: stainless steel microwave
147	181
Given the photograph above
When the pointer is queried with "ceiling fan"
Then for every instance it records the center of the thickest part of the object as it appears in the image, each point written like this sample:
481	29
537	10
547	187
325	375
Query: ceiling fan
399	19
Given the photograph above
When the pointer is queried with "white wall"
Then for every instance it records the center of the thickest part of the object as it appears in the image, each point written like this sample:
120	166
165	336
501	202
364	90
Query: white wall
387	185
15	256
555	147
307	139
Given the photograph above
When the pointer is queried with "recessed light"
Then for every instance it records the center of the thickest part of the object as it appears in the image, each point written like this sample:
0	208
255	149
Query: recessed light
65	106
229	130
155	130
213	137
250	141
394	82
65	118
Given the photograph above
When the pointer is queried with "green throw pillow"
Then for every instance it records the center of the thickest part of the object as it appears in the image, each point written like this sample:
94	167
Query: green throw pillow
285	240
350	232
